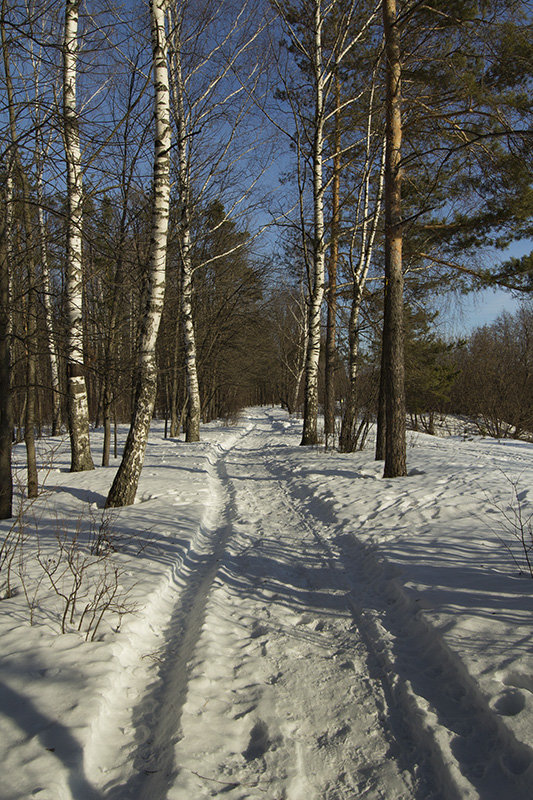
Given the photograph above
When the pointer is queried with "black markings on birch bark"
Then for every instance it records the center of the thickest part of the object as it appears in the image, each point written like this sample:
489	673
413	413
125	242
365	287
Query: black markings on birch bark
126	480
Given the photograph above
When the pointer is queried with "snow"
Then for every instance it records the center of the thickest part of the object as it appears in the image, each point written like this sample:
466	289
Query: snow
295	626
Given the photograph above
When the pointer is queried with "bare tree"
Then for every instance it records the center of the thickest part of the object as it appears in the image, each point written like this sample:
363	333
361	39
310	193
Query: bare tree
320	59
78	411
31	287
367	215
127	478
184	246
212	79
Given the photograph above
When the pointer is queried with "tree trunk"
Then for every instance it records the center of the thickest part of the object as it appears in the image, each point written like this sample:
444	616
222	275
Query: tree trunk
393	354
381	422
126	480
349	417
48	318
349	430
175	422
192	433
31	304
6	421
193	392
310	433
329	404
78	411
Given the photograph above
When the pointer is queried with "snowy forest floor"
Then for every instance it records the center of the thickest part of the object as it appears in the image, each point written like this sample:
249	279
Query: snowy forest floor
297	627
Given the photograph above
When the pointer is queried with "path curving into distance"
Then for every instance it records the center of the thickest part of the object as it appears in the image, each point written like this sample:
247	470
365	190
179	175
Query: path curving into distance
294	667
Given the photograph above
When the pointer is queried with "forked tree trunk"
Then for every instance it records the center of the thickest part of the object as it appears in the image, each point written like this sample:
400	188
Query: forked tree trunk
78	410
310	433
127	478
393	353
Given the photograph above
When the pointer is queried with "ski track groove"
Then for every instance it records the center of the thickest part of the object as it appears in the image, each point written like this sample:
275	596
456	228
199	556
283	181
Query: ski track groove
153	758
468	752
449	724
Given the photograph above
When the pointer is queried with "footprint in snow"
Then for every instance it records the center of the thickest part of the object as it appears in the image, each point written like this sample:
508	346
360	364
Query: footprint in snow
259	741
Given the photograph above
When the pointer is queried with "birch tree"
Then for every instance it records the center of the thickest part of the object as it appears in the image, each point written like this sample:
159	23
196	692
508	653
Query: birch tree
126	480
331	323
212	77
320	79
319	57
78	411
184	245
367	216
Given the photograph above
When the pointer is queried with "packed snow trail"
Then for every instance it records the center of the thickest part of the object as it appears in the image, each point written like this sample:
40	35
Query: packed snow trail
295	668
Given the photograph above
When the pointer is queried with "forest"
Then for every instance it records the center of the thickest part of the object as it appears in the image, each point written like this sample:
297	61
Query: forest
207	206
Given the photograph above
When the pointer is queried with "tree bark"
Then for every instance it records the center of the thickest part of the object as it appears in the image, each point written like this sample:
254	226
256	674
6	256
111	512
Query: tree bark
192	432
31	304
6	421
381	422
393	350
78	410
350	430
331	326
126	480
310	433
48	319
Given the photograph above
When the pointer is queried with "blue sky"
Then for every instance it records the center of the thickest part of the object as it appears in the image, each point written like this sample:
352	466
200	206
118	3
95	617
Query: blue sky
483	307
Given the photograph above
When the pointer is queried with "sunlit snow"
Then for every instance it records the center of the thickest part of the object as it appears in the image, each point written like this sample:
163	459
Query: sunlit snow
294	625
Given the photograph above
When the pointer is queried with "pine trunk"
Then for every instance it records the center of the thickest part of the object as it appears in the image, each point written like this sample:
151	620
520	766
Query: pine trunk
126	480
393	355
78	410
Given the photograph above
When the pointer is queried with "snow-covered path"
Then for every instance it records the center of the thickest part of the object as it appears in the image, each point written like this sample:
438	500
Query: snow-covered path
305	631
294	667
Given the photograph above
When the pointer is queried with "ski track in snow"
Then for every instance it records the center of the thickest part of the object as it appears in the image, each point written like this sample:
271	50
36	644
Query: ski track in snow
270	618
280	657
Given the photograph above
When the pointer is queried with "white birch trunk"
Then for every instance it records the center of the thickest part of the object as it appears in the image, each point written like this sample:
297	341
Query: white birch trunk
127	478
78	411
48	319
189	339
310	433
